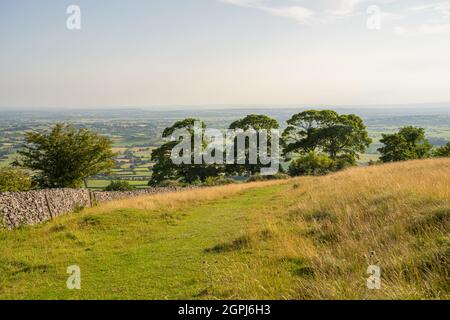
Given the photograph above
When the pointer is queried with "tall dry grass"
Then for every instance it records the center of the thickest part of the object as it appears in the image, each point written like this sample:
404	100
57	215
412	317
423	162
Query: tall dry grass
326	232
181	199
395	216
317	237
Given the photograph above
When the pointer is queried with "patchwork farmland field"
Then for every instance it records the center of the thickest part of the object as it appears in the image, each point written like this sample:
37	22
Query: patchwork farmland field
136	133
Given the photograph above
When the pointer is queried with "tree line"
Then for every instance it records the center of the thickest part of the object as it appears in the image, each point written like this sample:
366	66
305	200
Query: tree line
314	142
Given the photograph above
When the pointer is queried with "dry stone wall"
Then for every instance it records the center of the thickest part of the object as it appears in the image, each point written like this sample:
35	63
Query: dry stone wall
25	208
33	207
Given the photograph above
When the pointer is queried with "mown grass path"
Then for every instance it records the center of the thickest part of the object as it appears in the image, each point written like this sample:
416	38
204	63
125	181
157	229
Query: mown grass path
129	253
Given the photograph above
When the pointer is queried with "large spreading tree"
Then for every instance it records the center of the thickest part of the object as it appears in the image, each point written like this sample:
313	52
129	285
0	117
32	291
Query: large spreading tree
64	157
340	137
255	122
166	169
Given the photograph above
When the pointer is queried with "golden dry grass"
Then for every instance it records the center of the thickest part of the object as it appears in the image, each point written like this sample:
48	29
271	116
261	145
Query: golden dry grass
181	199
328	230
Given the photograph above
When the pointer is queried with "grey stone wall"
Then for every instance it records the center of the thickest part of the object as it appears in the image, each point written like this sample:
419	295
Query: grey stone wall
33	207
25	208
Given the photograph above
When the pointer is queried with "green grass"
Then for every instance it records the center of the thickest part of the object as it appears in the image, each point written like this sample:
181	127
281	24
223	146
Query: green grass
127	253
100	184
306	238
365	158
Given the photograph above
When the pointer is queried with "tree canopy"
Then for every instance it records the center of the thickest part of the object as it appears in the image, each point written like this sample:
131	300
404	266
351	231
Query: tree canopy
165	169
251	122
14	180
339	136
255	122
407	144
65	156
443	151
311	164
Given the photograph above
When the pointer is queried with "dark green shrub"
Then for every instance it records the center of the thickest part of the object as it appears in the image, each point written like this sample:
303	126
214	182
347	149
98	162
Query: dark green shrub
443	151
168	184
119	186
343	162
14	180
312	164
218	181
260	177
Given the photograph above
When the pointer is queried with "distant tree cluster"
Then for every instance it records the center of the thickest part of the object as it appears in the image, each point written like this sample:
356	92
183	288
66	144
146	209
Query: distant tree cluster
315	142
320	142
409	143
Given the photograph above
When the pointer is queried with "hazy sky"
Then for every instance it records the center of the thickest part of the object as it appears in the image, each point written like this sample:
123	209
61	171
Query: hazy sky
202	52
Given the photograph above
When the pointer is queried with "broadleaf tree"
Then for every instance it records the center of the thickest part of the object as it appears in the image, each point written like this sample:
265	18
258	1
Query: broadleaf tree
340	137
166	170
254	122
407	144
64	157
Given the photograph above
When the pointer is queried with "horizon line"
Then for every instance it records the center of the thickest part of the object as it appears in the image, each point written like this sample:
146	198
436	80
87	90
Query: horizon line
223	106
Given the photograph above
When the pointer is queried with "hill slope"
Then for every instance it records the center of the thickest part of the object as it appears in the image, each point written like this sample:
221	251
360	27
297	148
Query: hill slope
306	238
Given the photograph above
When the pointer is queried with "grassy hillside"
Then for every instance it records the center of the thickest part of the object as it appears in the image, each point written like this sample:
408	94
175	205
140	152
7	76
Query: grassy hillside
306	238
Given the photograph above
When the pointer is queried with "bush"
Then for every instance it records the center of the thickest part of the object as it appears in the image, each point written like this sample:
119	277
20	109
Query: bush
312	164
119	186
218	181
167	184
343	162
14	180
443	151
196	183
407	144
259	177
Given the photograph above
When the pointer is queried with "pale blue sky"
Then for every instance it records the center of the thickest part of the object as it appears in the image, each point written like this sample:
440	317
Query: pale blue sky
207	52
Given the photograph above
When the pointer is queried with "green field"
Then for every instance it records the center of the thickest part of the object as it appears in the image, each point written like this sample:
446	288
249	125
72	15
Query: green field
365	158
307	238
136	133
100	184
7	161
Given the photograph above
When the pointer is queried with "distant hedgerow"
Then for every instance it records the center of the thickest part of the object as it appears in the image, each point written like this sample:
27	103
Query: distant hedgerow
120	186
